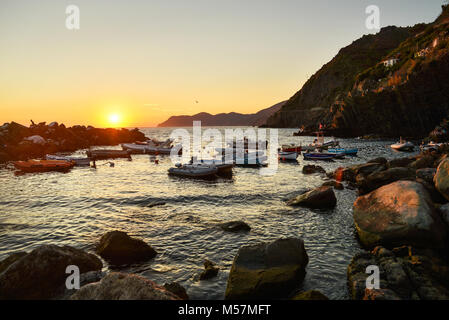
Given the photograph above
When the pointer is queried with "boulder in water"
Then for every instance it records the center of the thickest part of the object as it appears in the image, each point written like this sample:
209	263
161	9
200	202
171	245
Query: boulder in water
319	198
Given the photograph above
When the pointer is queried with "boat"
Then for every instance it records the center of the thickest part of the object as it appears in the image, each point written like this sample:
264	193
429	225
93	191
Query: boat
319	156
151	146
78	160
223	168
319	143
248	144
287	156
403	145
198	171
43	165
431	146
135	148
348	152
249	161
108	154
291	148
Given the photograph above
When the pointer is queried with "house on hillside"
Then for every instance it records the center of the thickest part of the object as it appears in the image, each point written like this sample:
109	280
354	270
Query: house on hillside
390	62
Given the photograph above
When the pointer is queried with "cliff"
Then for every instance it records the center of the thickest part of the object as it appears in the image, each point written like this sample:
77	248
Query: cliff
356	94
223	119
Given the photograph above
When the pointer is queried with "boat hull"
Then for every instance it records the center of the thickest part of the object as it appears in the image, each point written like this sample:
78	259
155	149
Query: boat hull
32	166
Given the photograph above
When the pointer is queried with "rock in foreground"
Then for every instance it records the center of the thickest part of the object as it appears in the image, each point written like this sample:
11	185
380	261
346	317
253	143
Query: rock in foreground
319	198
405	274
441	178
267	270
397	214
121	286
310	295
119	248
41	273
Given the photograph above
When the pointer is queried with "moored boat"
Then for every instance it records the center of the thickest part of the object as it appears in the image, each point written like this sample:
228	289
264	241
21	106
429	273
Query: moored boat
287	156
348	152
78	160
107	154
291	148
43	165
223	168
431	146
318	156
198	171
403	145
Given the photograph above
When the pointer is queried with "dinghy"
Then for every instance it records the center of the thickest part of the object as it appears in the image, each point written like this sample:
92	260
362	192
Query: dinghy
43	165
287	156
431	146
319	156
78	160
291	148
198	171
403	145
107	154
223	168
348	152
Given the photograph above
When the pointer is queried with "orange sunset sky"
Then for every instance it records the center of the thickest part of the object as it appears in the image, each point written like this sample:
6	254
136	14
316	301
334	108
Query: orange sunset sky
135	63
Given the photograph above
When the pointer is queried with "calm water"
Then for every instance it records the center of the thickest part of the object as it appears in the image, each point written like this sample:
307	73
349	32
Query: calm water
76	208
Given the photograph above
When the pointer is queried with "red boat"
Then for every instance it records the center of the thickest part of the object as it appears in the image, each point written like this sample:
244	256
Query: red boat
291	148
43	165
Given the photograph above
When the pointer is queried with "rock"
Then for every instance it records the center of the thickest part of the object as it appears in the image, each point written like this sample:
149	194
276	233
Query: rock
426	174
210	270
433	192
349	174
441	178
4	264
310	295
335	184
405	274
400	162
344	174
119	248
41	273
378	179
309	169
267	270
177	289
121	286
380	160
235	226
85	278
423	161
444	209
319	198
396	214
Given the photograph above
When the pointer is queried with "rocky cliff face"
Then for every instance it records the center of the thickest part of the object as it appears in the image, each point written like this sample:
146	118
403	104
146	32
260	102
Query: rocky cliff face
357	94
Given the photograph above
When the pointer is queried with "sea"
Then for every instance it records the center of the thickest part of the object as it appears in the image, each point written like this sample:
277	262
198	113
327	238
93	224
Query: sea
180	217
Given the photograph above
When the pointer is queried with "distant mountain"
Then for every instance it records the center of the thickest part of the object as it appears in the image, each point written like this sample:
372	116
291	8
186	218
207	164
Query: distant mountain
393	83
223	119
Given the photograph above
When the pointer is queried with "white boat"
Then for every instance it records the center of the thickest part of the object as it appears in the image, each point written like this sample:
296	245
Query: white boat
200	171
151	146
223	168
403	145
77	160
431	146
285	155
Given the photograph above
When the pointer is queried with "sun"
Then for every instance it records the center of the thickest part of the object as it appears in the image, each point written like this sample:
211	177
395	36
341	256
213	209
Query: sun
114	119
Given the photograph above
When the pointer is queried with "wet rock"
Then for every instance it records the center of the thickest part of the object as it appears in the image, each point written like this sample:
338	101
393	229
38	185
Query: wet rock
400	162
210	270
310	295
121	286
405	273
41	273
119	248
424	161
444	209
310	169
435	196
335	184
426	174
177	289
319	198
378	179
396	214
350	174
267	270
4	264
235	226
380	160
85	278
441	178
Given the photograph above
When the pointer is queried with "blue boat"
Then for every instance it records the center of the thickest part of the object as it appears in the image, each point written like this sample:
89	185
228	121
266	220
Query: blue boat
318	156
348	152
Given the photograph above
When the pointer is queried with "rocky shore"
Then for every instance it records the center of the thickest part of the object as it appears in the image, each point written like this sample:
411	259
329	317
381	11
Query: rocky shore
18	142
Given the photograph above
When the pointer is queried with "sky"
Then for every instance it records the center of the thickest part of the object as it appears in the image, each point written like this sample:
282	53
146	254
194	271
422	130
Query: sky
136	63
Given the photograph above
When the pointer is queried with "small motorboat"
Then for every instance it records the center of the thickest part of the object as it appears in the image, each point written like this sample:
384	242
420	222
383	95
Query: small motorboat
319	156
287	156
403	145
108	154
198	171
348	152
223	168
135	148
78	160
431	146
43	165
291	148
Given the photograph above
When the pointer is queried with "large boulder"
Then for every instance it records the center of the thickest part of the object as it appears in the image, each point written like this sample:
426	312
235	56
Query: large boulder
267	270
41	273
405	273
121	286
119	248
400	162
427	174
350	174
378	179
441	178
423	161
319	198
310	168
396	214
